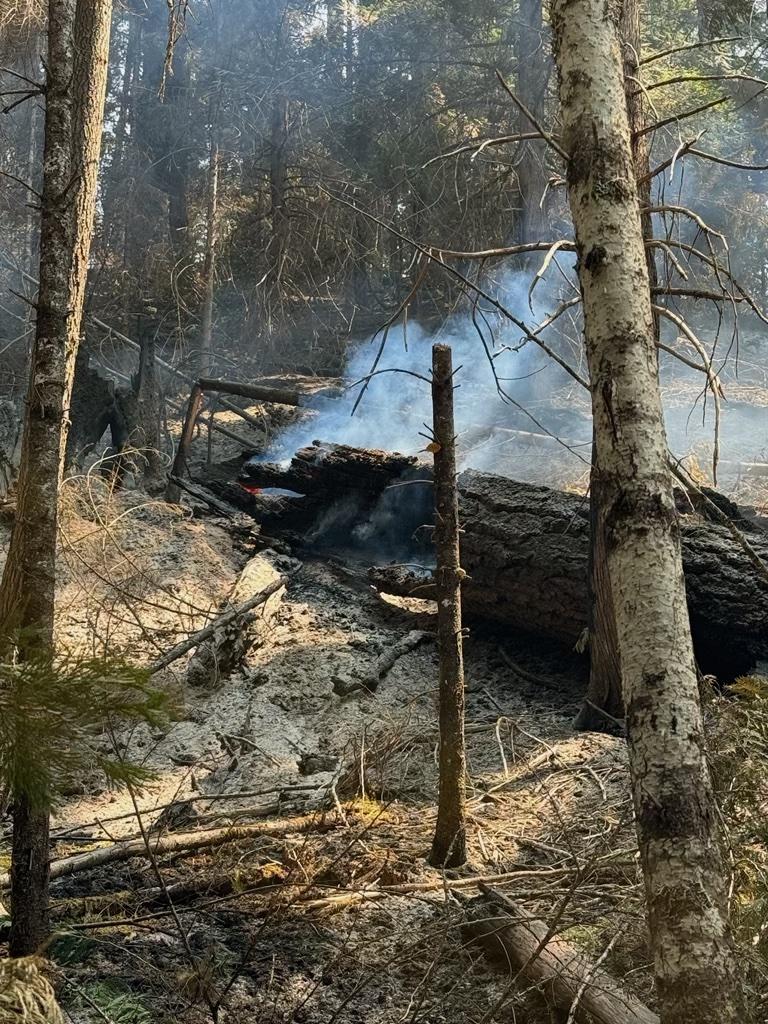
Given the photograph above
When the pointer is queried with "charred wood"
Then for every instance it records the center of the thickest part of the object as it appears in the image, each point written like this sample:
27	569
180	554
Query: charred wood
525	548
384	664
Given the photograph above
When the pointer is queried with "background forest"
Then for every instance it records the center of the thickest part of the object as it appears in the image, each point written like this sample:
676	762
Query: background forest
241	775
312	122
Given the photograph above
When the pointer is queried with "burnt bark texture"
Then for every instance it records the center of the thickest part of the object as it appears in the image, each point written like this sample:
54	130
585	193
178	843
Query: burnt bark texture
78	47
449	846
697	971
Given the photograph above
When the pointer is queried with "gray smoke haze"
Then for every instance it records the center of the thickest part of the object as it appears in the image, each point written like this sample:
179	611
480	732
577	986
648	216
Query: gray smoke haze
396	405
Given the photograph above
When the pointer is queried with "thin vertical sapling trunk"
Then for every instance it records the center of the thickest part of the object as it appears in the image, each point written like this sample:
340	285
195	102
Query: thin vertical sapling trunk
209	265
533	71
194	405
78	49
278	173
696	967
449	848
146	431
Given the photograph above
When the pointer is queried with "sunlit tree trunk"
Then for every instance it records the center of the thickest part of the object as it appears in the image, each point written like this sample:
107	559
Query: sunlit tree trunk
697	971
604	692
78	48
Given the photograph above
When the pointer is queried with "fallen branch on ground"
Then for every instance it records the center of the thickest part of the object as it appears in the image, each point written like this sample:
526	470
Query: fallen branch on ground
218	656
384	664
343	898
229	511
182	842
569	979
223	620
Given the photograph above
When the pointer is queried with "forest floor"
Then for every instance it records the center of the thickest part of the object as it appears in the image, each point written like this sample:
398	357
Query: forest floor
332	915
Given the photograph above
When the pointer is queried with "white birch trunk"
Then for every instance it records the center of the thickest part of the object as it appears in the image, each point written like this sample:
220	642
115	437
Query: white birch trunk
696	969
78	49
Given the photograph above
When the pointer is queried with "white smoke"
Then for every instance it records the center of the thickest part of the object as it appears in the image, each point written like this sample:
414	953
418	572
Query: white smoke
392	412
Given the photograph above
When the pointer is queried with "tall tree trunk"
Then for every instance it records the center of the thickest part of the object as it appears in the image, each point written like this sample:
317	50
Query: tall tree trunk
532	76
146	430
335	37
177	160
697	972
278	213
604	692
78	48
209	264
162	128
449	848
116	214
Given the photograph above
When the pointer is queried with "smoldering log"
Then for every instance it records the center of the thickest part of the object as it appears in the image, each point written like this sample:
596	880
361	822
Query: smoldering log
330	469
340	488
525	549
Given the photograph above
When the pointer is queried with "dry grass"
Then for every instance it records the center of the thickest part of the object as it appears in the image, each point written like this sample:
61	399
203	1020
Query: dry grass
26	996
20	21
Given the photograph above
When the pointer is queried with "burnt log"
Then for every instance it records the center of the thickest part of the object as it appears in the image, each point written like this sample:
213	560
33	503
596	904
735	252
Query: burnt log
525	548
351	498
334	469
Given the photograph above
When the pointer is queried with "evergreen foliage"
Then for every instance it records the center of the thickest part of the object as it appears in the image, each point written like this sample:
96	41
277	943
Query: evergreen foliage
52	714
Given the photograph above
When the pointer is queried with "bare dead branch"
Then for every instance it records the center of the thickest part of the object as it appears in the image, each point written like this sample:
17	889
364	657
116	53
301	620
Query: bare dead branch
725	162
478	147
677	118
683	211
712	378
689	46
714	265
527	113
679	79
